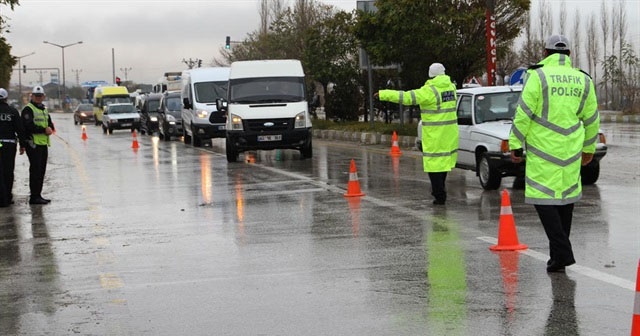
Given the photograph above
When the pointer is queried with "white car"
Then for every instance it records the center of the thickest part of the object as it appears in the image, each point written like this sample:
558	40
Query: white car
120	116
485	116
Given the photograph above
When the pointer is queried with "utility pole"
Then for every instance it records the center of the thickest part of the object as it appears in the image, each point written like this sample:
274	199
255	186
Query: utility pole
192	63
41	76
126	72
77	72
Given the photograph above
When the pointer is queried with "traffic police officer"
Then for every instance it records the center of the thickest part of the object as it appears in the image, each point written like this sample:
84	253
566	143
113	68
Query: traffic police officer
11	134
557	123
38	126
437	100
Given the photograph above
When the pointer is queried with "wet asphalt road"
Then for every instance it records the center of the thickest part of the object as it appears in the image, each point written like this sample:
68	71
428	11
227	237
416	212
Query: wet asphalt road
173	240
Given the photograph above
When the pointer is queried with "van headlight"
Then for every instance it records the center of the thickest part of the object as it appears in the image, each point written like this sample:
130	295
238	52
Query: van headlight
154	119
301	120
236	123
202	114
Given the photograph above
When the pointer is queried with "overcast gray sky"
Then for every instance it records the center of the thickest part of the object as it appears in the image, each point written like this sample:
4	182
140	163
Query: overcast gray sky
150	37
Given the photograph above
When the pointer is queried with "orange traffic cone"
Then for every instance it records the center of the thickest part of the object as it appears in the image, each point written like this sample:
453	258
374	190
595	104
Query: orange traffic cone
84	133
635	324
353	188
135	144
507	235
395	150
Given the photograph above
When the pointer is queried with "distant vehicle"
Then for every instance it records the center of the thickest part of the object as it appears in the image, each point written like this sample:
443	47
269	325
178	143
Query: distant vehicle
120	116
83	113
170	81
200	89
105	95
267	108
149	113
170	116
485	117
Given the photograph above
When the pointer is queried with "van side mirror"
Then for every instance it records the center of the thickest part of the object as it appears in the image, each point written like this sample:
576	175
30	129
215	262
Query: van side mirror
186	103
221	105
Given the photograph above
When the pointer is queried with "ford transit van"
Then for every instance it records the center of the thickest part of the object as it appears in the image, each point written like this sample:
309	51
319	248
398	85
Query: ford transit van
267	108
200	89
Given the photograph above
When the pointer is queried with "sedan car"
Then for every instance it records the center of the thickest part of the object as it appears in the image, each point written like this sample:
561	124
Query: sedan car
120	116
485	116
170	116
149	113
83	113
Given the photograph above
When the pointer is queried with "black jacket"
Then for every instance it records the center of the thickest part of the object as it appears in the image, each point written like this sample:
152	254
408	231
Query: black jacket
11	127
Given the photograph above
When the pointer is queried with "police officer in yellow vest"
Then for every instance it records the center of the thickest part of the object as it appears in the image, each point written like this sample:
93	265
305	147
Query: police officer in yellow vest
557	124
38	127
437	100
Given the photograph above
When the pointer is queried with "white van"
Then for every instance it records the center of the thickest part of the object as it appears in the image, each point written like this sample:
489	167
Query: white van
200	89
267	108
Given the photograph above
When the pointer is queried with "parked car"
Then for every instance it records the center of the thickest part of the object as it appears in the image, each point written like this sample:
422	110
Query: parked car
485	117
170	116
149	113
120	116
83	113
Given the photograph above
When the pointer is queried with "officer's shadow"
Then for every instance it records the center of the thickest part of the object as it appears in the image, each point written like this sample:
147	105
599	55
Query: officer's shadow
562	316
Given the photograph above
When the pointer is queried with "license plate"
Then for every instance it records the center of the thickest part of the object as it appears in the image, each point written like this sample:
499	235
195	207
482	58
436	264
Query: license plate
125	125
221	127
275	137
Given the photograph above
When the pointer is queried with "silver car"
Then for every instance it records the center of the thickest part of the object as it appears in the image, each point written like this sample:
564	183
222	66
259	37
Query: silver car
485	115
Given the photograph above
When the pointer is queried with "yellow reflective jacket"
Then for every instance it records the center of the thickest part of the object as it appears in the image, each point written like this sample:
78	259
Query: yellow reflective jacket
557	120
41	119
437	100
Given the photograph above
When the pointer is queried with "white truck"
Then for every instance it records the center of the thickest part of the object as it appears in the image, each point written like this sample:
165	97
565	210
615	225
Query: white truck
267	108
200	89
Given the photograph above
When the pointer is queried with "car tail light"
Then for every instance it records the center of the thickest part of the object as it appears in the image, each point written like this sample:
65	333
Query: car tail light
504	146
602	139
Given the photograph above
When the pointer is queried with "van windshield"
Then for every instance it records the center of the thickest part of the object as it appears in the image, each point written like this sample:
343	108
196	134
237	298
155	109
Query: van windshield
267	90
107	100
208	92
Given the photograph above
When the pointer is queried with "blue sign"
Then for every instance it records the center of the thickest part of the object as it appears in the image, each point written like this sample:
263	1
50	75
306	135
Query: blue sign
92	84
517	77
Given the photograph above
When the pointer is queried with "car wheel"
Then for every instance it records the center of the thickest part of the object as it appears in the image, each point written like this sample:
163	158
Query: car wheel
104	129
307	150
232	152
75	121
110	130
589	174
489	176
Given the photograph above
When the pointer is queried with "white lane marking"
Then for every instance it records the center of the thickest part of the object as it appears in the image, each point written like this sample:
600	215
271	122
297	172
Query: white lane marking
583	270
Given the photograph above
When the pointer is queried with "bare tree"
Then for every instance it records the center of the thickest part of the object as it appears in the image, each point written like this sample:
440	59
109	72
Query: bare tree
622	32
563	17
577	40
604	26
545	20
263	11
593	48
532	51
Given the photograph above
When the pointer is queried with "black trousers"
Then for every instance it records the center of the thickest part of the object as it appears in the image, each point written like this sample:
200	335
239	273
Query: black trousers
556	220
438	185
37	167
8	164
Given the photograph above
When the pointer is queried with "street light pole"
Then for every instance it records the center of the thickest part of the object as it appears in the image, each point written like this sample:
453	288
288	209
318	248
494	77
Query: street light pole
20	76
63	72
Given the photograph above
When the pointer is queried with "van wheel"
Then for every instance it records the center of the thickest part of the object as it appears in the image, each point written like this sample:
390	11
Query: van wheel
195	141
307	150
186	137
232	152
489	176
110	130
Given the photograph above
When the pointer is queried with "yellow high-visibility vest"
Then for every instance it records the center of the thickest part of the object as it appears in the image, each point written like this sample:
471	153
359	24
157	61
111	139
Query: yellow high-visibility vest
556	121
